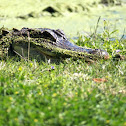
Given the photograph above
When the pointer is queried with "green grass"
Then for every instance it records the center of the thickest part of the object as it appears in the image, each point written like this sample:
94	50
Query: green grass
46	94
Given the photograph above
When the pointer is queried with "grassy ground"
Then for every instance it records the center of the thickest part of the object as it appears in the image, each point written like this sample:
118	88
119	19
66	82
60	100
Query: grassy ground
72	93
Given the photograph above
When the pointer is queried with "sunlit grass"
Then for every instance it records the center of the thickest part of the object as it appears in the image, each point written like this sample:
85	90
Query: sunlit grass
66	95
40	93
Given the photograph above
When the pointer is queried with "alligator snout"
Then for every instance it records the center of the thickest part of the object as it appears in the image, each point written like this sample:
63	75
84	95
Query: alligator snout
100	52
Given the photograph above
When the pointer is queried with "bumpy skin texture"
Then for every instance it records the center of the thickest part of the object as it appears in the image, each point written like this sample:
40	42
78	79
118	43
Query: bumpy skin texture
49	42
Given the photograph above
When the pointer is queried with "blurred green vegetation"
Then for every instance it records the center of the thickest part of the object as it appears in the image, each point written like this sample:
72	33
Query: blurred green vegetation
71	16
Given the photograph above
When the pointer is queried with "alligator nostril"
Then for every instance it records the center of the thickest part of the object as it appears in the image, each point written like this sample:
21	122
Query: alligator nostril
104	54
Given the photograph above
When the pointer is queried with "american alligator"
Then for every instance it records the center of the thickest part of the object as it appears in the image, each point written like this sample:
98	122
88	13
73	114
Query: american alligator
38	42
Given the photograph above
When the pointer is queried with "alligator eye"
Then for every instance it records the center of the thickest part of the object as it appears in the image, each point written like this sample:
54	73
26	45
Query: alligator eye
5	32
48	35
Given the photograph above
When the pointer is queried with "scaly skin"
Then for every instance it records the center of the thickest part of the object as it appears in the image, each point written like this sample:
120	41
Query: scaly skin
46	42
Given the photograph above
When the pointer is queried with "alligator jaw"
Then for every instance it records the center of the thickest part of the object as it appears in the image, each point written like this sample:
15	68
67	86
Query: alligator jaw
43	47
